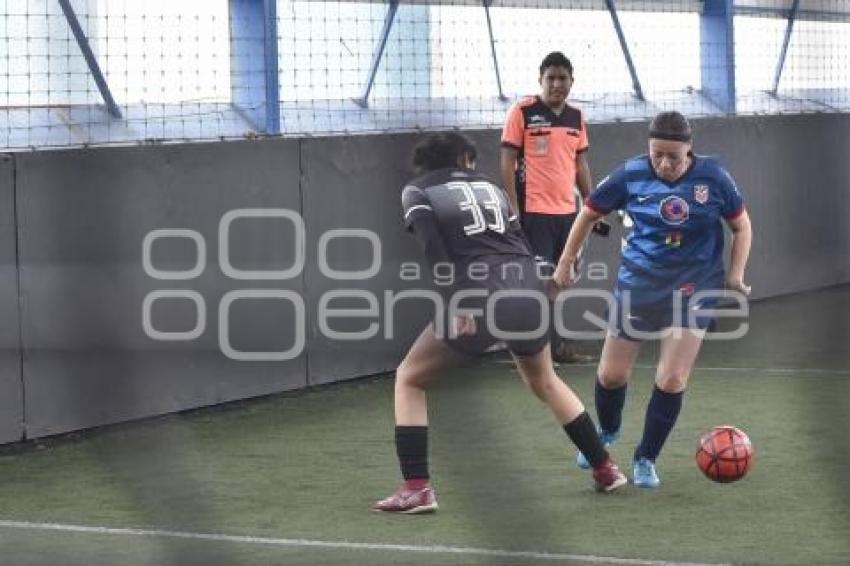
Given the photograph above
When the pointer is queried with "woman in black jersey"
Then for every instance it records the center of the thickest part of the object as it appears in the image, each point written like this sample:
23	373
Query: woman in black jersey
462	220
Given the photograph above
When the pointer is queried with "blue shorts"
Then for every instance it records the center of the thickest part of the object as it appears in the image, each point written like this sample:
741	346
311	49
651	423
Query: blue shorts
656	317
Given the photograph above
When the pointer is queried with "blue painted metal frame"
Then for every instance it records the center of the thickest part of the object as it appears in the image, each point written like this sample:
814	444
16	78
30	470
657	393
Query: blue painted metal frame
363	101
255	85
612	9
487	4
88	55
792	15
717	53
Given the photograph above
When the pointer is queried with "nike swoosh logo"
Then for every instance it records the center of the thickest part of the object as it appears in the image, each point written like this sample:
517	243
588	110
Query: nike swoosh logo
643	199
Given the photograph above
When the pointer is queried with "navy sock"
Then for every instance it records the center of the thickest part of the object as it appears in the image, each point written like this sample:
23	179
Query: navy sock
661	415
411	443
609	406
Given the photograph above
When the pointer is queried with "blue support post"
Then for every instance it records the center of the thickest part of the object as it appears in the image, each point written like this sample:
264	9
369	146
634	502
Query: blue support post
88	54
363	101
487	4
792	15
717	53
255	86
612	9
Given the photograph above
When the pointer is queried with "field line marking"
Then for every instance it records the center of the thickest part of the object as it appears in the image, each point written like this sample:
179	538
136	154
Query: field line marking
435	549
819	371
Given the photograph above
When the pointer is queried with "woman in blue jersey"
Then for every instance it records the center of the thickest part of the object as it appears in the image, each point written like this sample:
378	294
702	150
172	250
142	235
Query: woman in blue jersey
671	271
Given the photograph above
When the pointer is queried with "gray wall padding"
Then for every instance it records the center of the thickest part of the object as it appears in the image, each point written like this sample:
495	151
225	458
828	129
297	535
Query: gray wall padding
83	215
356	183
794	173
11	387
83	218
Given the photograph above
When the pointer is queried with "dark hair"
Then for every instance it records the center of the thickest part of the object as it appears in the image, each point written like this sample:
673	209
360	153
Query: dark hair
671	126
555	59
441	151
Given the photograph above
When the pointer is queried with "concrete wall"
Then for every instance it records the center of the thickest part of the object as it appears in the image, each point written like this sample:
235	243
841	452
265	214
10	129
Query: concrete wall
83	218
88	357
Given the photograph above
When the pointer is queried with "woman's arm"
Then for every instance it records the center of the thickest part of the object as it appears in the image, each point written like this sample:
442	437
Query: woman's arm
564	272
742	238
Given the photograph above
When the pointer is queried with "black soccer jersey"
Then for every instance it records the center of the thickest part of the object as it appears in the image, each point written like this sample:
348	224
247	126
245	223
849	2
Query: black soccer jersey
463	218
471	213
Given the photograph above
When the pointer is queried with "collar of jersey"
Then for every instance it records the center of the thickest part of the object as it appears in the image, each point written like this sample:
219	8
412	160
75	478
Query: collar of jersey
549	108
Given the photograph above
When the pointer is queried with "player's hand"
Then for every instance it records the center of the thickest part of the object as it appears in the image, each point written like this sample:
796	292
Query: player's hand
565	274
464	325
737	284
552	289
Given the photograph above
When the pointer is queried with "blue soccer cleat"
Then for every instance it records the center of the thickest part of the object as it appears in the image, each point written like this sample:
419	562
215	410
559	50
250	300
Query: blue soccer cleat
608	438
644	474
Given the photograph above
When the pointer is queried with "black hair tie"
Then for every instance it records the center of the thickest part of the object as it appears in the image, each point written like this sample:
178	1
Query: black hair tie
669	136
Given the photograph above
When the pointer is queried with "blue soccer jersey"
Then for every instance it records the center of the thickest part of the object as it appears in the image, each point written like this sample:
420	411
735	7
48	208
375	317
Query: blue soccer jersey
677	239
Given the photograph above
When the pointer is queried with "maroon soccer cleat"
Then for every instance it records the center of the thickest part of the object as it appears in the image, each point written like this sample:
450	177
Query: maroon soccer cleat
408	501
608	476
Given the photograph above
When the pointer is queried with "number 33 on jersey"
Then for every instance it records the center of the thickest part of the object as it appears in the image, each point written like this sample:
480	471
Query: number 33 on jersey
471	212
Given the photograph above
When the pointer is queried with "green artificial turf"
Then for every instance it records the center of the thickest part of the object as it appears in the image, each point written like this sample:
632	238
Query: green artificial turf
306	466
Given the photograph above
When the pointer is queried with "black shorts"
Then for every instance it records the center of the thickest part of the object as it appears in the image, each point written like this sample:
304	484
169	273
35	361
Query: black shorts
512	306
547	233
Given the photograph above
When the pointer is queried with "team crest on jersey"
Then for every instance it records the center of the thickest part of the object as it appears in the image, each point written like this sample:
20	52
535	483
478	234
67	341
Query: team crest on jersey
674	210
701	193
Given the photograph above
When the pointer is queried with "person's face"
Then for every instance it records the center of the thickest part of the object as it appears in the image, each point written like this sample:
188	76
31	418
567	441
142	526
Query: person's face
670	159
555	84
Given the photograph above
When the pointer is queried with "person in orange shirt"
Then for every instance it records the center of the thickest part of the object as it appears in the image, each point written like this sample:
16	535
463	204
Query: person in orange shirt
543	157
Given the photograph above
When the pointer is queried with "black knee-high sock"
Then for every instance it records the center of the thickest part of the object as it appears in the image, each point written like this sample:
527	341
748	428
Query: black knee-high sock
609	406
583	434
661	415
411	445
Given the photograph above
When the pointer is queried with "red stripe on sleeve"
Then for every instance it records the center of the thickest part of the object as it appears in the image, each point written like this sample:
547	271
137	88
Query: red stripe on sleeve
595	207
735	214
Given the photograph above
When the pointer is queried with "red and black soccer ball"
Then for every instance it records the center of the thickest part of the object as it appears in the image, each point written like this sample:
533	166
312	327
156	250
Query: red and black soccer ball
725	454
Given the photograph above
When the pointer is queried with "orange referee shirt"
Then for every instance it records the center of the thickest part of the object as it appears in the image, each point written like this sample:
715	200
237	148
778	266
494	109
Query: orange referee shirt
548	145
